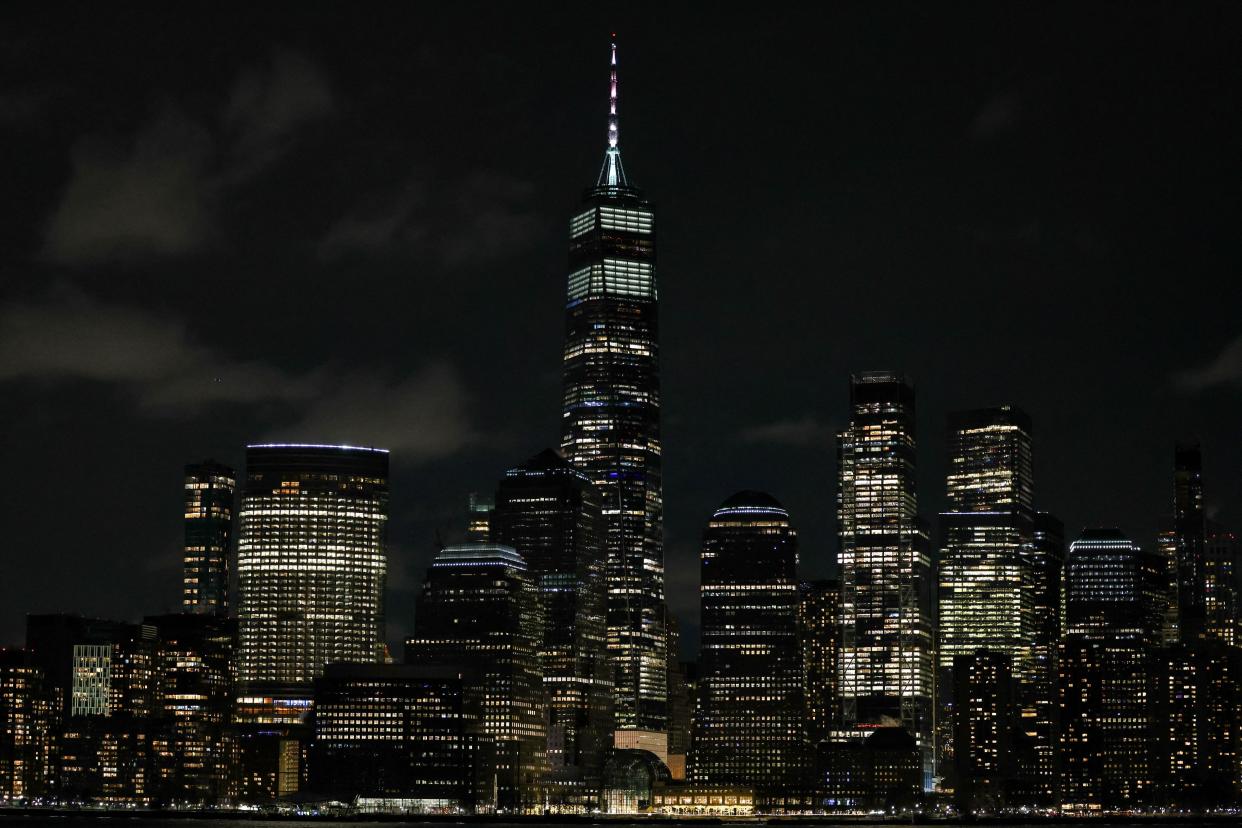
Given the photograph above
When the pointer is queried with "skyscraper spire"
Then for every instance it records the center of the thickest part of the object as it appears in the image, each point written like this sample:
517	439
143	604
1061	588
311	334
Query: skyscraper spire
612	175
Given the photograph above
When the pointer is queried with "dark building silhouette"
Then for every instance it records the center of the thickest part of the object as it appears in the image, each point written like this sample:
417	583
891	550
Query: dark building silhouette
885	669
819	631
550	513
478	614
749	730
399	736
1189	529
1196	721
984	724
680	704
210	488
1036	784
884	771
611	420
312	565
1222	580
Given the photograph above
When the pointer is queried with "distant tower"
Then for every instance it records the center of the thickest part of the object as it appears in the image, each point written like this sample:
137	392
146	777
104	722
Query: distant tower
611	419
550	513
750	729
209	492
885	667
312	562
1189	528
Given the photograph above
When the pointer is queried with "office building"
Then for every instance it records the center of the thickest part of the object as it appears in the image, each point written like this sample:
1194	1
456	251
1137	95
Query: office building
611	420
749	731
885	665
550	513
479	614
819	629
209	491
312	564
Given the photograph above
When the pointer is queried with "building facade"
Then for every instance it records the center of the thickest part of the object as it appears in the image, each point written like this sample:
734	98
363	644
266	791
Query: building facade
885	664
611	420
550	513
1189	529
749	730
819	629
479	614
210	488
312	563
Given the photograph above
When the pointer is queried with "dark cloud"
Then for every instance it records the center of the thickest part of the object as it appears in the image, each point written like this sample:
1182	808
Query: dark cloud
1224	369
806	431
1000	114
479	218
157	193
269	104
150	195
151	356
418	417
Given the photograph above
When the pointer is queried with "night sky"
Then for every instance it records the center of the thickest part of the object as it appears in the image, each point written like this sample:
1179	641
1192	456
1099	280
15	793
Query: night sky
349	223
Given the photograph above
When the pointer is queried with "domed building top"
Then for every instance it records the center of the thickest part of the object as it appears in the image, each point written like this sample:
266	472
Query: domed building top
749	501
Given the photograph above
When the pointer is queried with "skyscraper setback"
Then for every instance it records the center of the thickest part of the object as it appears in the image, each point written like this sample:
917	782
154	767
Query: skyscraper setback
611	419
885	667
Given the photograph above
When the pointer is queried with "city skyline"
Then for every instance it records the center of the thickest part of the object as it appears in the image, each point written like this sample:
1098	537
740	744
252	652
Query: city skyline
962	659
771	432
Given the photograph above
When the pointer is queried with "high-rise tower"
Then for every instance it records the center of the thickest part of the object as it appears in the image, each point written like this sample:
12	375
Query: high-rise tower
611	419
986	578
1189	529
549	512
749	730
885	661
209	490
312	562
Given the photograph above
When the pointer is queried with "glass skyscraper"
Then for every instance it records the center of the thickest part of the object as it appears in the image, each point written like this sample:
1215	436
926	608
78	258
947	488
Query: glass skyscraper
885	662
209	492
986	579
550	513
312	562
749	730
611	420
479	614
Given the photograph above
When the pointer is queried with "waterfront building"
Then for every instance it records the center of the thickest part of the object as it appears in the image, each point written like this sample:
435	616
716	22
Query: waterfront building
26	728
399	738
749	731
210	488
885	664
984	725
611	420
550	513
479	614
